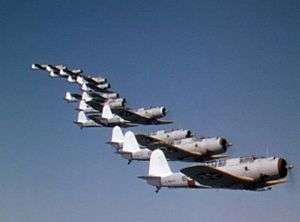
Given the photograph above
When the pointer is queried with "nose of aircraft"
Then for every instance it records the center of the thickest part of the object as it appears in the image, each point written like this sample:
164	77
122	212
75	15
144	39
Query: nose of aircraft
164	111
282	167
224	143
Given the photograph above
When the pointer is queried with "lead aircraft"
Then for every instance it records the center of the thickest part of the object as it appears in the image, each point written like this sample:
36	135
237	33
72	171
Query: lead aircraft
244	173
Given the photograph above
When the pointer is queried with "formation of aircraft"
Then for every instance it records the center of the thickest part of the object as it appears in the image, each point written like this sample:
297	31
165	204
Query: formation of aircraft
98	104
101	106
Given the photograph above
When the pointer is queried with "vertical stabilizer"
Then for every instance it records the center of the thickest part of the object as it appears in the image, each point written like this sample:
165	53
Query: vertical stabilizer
82	105
130	143
70	79
117	135
158	165
85	88
69	97
86	97
106	112
81	118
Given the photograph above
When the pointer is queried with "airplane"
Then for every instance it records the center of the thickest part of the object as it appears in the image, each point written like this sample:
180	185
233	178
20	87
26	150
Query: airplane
144	116
39	66
87	97
183	149
163	136
182	145
106	119
99	88
83	79
244	173
117	137
131	150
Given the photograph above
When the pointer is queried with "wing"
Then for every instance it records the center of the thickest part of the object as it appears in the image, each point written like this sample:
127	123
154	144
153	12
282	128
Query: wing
134	117
214	177
145	140
97	118
169	149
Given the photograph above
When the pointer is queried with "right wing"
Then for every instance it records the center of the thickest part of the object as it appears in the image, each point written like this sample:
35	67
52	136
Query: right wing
214	177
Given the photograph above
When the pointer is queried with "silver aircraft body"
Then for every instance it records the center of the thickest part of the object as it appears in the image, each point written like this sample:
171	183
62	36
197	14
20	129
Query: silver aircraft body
182	145
244	173
144	116
207	149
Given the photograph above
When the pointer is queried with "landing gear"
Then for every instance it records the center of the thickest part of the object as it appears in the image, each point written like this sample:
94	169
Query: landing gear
157	189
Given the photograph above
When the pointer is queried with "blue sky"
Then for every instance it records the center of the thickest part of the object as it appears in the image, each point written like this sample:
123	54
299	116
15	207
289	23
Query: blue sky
222	68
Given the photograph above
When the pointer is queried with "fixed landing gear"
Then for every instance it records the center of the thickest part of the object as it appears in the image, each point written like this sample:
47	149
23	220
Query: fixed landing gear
157	189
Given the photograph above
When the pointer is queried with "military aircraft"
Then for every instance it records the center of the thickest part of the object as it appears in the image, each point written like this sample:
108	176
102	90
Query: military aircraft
163	136
244	173
182	145
144	116
182	149
99	88
105	119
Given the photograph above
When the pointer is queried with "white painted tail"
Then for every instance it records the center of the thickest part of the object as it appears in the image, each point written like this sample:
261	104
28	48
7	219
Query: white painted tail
117	135
82	105
68	96
130	143
84	87
81	118
86	97
80	80
158	165
70	79
106	112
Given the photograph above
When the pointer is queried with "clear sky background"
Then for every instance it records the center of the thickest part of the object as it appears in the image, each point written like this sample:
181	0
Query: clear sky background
227	68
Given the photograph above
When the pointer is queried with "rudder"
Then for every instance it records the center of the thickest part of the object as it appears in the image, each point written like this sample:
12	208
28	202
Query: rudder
130	142
117	135
106	112
158	165
81	118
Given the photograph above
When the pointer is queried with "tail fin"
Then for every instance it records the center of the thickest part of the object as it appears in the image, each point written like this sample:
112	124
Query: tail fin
70	79
86	97
52	74
82	105
84	87
130	143
117	135
79	80
81	118
158	165
69	97
106	112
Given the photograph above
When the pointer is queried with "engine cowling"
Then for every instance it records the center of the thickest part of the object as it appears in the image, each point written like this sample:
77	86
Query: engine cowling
117	103
153	113
213	145
172	135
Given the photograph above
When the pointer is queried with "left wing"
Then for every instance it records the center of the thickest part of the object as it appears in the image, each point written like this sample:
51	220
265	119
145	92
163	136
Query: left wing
214	177
132	116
